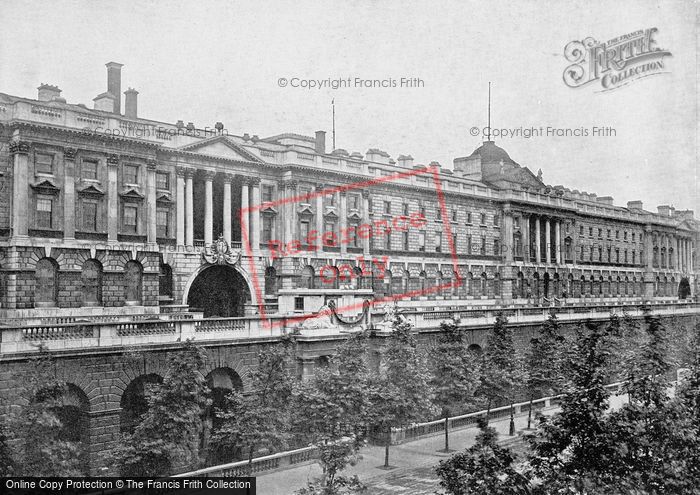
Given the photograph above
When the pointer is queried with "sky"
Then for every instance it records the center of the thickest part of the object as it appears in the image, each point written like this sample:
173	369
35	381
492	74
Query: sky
205	62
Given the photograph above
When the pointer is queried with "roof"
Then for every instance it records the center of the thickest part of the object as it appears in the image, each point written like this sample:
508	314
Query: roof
490	153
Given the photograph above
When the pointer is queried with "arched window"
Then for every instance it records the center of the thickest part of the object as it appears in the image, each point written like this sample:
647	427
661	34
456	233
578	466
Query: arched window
521	285
471	288
627	286
536	285
557	285
357	277
568	249
518	244
271	281
582	289
132	282
497	285
46	279
165	281
306	281
92	283
484	287
422	281
388	283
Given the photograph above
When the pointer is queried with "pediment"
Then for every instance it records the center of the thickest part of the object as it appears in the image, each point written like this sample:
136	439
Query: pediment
305	210
221	147
355	215
164	199
131	195
91	191
45	187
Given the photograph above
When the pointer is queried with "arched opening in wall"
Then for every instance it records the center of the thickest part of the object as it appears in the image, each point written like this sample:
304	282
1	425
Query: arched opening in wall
583	290
497	284
684	288
470	287
306	277
634	286
657	286
666	289
536	284
570	286
91	278
521	285
271	281
357	277
557	285
219	291
221	382
476	350
46	283
72	409
134	401
133	274
165	282
405	281
484	284
627	286
387	283
617	286
422	280
545	291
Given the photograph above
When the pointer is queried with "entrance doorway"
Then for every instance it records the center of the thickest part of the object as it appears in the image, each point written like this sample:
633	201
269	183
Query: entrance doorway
219	290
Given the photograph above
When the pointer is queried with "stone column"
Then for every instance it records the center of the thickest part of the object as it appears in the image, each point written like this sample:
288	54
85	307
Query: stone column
557	241
20	188
180	205
69	193
189	206
255	215
507	236
526	236
112	198
208	207
548	240
343	221
649	278
151	201
245	215
291	212
538	241
228	178
319	218
365	208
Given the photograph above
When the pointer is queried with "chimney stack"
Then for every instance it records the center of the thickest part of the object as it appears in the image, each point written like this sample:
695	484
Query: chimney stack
105	102
664	210
47	92
130	103
114	84
634	205
405	161
321	142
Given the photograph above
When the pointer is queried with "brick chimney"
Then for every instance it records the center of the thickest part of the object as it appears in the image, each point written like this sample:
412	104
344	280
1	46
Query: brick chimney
114	84
47	92
320	144
130	103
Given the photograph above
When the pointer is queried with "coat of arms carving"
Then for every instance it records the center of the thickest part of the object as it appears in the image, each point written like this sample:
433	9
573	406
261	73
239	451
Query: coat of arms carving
220	253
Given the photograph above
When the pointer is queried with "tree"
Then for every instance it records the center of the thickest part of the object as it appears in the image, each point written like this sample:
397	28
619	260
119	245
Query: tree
42	449
400	393
454	373
260	418
168	435
502	369
544	375
483	469
571	448
334	413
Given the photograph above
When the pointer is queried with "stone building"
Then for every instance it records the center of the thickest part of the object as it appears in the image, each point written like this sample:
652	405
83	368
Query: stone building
104	209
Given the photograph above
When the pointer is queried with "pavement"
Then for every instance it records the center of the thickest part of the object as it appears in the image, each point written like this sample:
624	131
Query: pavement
413	462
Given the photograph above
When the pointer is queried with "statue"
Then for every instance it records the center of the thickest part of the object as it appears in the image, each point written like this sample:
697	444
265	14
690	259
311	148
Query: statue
539	175
321	319
219	253
391	314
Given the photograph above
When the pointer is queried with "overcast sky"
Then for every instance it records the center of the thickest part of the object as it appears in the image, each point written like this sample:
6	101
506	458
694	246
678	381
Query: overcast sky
221	61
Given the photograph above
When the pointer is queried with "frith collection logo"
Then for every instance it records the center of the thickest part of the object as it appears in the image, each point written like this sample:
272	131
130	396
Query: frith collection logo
616	62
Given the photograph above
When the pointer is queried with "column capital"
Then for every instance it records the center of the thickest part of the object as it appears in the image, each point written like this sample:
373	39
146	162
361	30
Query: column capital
180	171
209	175
19	147
69	153
290	184
319	187
254	181
151	164
189	172
365	194
113	160
228	178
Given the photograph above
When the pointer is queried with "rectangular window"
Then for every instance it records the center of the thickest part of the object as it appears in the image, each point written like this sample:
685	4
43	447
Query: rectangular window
387	240
44	212
387	207
617	234
609	233
496	220
516	222
267	192
405	240
469	245
421	241
162	222
89	169
483	245
43	163
267	224
580	230
469	217
299	303
89	216
483	219
163	180
625	235
354	202
590	231
131	174
405	209
438	242
633	235
496	247
331	199
329	240
625	256
130	219
304	228
600	233
422	211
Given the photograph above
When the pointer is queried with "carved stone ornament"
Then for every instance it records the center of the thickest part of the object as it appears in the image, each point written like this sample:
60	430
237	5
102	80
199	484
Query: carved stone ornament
219	253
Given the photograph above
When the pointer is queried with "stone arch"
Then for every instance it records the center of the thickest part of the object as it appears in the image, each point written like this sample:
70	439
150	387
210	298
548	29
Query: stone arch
46	283
475	349
545	282
220	290
165	281
306	278
522	292
134	403
483	284
271	281
236	268
133	283
536	283
91	279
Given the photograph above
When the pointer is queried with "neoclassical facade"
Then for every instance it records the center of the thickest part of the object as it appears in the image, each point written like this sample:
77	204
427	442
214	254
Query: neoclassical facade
103	209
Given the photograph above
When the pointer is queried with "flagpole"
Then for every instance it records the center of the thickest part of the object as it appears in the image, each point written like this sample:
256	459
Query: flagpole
333	103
